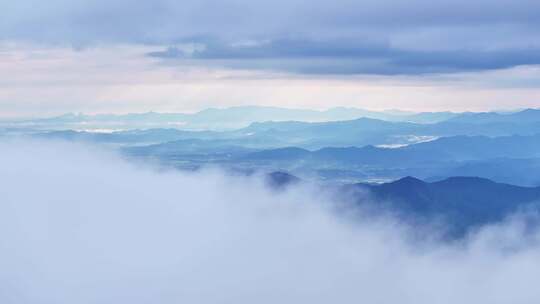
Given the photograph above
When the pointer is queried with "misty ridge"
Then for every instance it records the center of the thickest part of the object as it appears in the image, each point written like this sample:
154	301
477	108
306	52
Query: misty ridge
500	146
220	118
80	223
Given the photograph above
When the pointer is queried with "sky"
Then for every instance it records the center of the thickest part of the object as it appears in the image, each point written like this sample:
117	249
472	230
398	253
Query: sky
119	56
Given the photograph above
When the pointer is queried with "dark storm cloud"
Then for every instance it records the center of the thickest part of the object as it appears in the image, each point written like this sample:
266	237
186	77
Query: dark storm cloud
348	57
321	37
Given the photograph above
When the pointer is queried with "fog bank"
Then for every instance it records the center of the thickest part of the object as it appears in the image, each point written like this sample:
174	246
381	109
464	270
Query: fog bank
81	225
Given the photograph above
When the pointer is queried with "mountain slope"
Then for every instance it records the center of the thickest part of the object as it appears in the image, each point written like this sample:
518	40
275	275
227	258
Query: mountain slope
365	131
463	202
457	148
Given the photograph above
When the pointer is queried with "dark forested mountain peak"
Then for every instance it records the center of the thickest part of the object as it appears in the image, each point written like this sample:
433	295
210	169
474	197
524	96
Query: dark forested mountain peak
280	179
408	180
464	202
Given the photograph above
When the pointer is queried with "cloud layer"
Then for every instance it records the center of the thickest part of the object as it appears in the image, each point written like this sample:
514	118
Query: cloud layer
348	57
313	37
81	225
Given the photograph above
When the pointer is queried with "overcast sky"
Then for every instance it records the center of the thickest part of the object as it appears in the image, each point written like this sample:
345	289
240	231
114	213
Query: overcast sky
121	56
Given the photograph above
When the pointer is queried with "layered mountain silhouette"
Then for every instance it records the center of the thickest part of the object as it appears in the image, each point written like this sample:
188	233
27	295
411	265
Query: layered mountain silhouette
520	171
457	148
525	116
317	135
222	119
242	116
509	159
365	131
500	146
461	202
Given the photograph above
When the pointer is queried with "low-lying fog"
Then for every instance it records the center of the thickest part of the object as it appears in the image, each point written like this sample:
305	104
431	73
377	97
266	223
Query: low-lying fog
81	225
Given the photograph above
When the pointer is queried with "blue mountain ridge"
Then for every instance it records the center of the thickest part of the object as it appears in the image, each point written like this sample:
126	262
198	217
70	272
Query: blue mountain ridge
461	203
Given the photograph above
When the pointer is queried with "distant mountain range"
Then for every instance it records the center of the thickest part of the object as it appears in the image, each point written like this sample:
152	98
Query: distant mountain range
525	116
357	132
512	159
218	119
502	146
365	131
130	137
456	148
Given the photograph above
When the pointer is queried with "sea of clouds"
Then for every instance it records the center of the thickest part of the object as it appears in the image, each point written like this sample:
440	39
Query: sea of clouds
81	225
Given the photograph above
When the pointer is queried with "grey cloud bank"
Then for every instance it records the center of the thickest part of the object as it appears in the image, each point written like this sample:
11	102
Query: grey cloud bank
347	56
312	37
81	225
122	20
